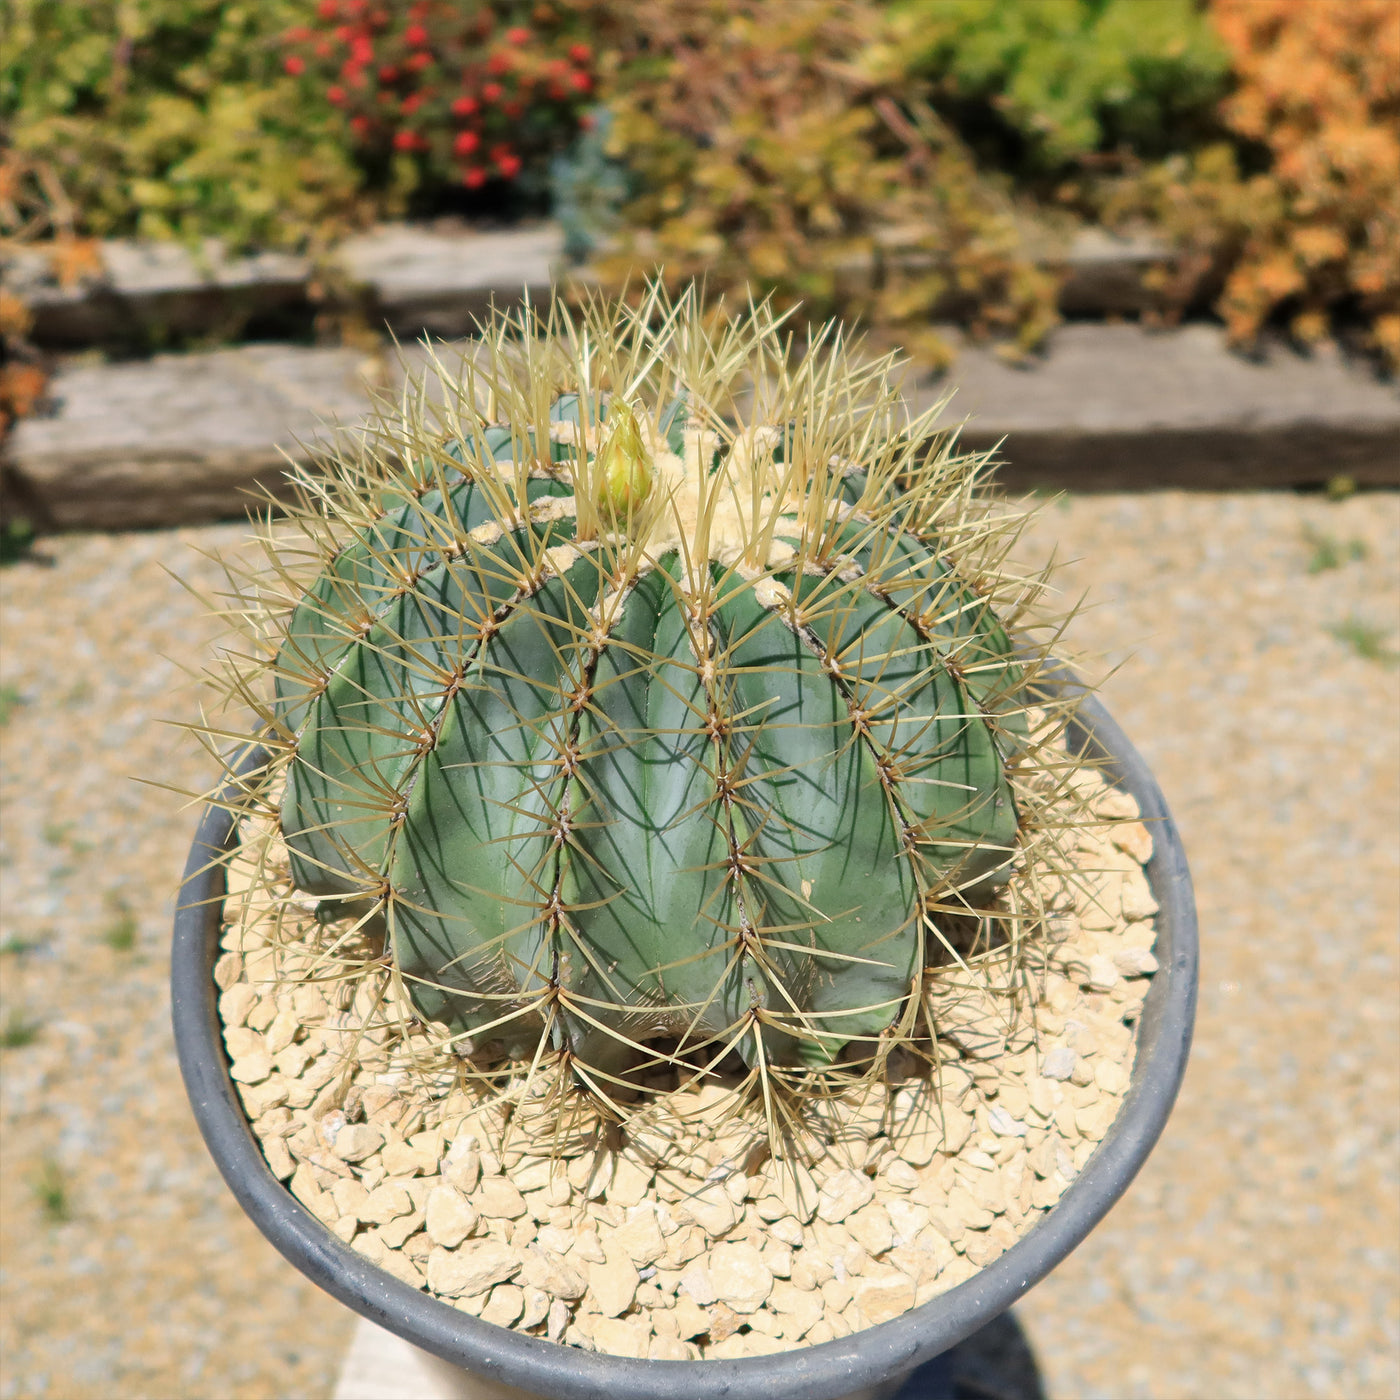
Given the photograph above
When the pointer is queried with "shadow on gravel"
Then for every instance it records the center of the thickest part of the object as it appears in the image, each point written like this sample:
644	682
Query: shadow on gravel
994	1364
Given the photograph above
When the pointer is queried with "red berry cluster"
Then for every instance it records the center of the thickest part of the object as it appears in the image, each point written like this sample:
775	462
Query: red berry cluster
477	89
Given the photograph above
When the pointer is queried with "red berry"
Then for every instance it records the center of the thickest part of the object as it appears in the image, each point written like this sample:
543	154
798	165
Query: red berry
518	35
336	94
322	48
388	73
580	53
405	140
466	143
509	166
474	177
499	62
359	125
581	82
415	36
361	50
586	121
411	103
417	62
328	9
464	106
298	34
513	109
491	92
419	11
295	66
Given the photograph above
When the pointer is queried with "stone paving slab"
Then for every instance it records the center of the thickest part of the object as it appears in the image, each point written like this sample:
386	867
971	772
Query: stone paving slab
1112	408
146	291
440	283
187	438
179	438
381	1366
1256	1256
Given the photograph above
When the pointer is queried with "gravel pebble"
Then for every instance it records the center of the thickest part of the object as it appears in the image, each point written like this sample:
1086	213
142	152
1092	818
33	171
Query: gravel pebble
472	1269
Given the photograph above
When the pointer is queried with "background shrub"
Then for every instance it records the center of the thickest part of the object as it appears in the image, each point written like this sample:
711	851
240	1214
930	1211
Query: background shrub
440	92
1297	217
1037	84
766	155
895	161
174	119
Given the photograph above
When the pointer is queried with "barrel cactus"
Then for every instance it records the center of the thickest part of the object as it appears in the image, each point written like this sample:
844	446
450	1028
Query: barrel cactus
646	690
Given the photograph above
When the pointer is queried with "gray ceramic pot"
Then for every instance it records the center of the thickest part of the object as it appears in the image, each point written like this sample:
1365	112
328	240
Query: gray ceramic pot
870	1362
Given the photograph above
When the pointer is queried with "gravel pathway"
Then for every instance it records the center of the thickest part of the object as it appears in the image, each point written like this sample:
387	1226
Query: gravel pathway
1256	1255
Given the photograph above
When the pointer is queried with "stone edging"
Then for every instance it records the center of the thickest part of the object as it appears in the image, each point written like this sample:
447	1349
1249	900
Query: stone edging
413	279
181	439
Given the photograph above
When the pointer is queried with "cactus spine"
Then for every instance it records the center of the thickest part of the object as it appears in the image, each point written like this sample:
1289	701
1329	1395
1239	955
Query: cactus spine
648	697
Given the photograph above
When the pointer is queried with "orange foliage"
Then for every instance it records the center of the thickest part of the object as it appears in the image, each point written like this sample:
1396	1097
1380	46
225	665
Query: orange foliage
21	388
1318	231
1320	87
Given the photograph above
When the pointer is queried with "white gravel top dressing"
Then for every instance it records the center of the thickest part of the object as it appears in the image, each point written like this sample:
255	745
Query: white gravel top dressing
682	1237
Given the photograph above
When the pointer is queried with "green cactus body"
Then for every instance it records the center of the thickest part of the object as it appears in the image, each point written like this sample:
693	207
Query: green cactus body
614	767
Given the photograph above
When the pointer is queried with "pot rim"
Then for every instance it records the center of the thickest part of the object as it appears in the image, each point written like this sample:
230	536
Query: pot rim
821	1372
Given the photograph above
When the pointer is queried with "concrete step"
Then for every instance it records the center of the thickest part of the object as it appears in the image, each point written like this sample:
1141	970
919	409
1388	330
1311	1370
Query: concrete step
184	438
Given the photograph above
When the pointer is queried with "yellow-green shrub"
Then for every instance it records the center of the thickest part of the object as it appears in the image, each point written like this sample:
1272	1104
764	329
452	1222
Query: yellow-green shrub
766	156
172	119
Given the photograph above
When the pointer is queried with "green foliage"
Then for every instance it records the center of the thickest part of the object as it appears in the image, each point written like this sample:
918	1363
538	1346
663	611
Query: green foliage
120	934
172	119
15	944
17	538
18	1031
1367	640
50	1188
588	188
657	688
10	700
1056	80
1328	552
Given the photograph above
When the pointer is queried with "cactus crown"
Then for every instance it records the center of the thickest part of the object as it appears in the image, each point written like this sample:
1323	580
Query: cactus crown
648	690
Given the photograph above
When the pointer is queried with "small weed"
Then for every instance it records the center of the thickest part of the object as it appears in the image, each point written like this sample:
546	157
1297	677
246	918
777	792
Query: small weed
61	834
1328	552
120	934
1339	488
10	701
15	944
18	1031
1366	640
16	540
50	1188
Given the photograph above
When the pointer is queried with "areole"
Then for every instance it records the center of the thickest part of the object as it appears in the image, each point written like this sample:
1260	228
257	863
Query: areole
871	1358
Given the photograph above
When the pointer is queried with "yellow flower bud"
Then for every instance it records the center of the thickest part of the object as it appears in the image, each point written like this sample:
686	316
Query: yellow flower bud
623	465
